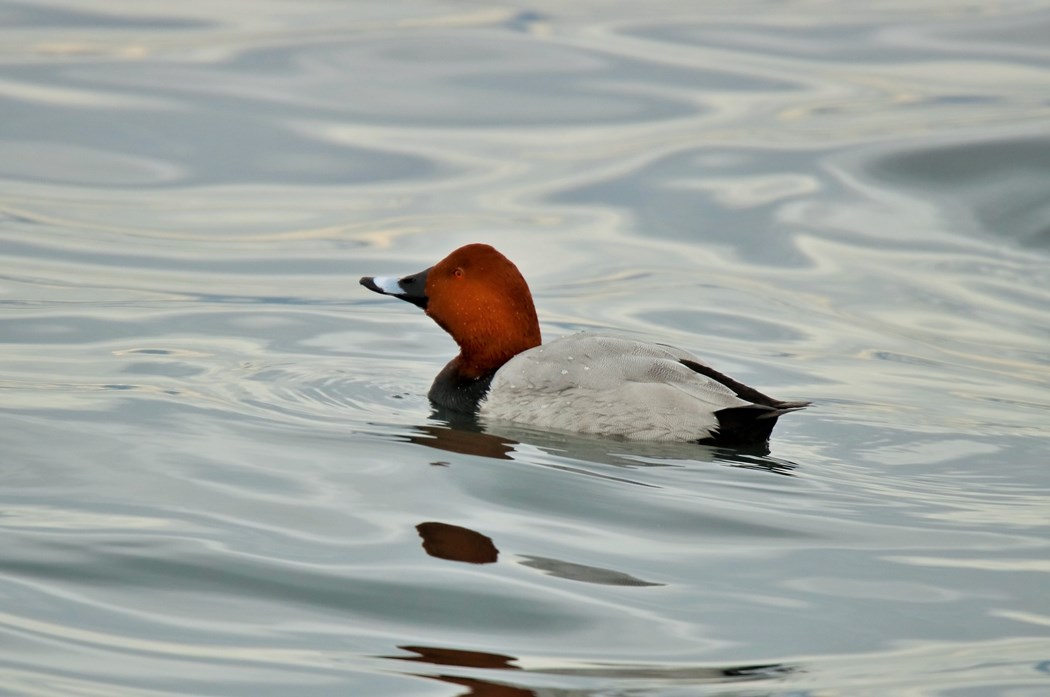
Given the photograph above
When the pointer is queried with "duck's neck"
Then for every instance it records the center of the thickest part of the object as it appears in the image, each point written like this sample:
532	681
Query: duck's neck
465	380
481	358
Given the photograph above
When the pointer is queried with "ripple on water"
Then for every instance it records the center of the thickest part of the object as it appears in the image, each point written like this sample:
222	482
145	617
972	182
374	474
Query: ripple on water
992	186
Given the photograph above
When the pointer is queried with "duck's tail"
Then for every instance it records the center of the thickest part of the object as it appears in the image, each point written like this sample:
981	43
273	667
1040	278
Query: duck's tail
778	408
749	425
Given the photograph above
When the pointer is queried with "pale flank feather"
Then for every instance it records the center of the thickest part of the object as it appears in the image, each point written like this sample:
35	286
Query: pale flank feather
610	386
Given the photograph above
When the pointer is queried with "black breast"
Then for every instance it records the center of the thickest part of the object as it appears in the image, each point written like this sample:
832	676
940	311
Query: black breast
452	390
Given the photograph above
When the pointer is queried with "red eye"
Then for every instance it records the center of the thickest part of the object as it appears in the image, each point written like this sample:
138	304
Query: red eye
458	273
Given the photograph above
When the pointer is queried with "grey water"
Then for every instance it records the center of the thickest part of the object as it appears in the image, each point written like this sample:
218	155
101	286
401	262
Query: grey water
219	473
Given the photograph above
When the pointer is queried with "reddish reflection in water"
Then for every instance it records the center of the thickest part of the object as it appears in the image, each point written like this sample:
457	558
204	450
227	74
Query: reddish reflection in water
678	674
464	442
467	659
455	543
483	688
441	656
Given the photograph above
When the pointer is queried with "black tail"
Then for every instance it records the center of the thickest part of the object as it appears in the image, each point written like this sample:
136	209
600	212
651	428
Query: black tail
747	425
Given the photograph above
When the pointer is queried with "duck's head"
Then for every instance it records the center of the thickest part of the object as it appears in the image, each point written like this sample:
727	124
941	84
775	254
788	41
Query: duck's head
479	297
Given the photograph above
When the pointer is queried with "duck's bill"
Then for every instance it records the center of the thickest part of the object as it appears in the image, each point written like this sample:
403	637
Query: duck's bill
411	289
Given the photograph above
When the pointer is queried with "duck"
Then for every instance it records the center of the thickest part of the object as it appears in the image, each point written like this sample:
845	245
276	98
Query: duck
590	383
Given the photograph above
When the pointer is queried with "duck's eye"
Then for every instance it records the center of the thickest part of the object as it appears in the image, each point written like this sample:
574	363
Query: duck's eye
457	272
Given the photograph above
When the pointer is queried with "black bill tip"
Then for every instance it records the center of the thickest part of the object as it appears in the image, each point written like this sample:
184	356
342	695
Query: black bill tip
410	288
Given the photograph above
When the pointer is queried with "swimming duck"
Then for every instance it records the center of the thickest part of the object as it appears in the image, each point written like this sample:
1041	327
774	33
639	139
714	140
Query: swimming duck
587	383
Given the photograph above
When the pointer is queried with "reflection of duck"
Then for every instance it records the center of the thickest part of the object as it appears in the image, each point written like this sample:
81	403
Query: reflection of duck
439	656
587	383
456	543
459	658
464	435
664	675
465	440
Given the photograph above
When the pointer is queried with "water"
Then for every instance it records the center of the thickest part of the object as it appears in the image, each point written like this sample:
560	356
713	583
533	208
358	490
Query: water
220	473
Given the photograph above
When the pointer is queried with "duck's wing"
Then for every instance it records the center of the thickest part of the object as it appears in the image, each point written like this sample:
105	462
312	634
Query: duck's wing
611	386
746	425
739	389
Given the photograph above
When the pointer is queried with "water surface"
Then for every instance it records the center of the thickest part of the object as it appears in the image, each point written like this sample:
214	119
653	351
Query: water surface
221	475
